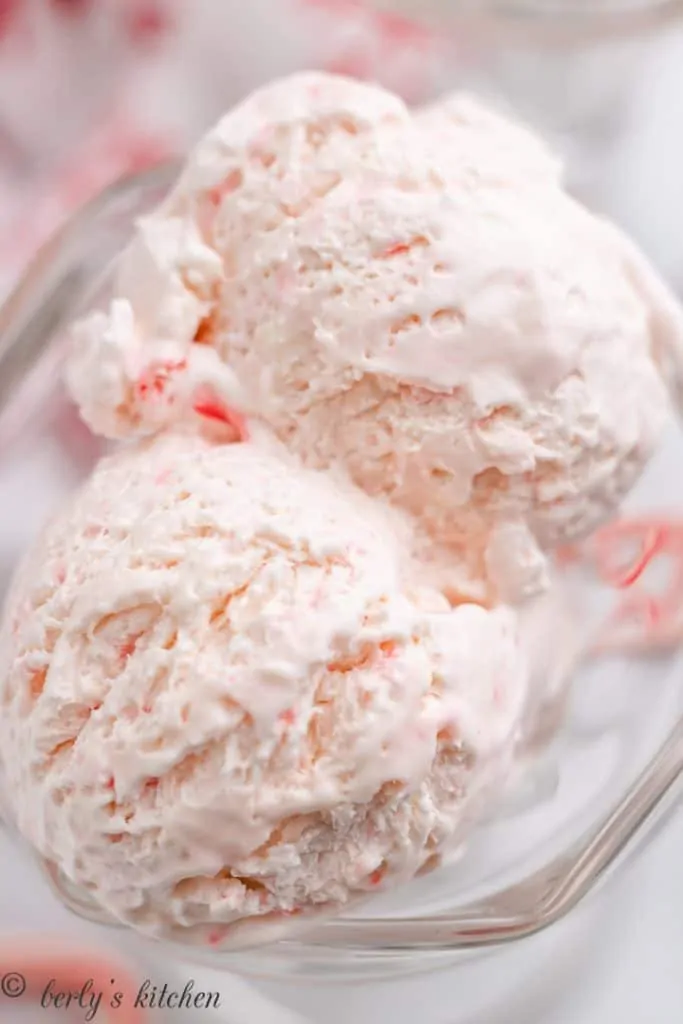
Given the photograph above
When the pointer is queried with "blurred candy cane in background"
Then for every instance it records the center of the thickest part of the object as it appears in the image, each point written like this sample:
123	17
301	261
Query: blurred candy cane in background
38	970
91	89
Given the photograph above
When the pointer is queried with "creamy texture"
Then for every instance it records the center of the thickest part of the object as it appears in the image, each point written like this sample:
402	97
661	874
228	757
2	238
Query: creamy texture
412	297
225	697
246	682
484	146
135	367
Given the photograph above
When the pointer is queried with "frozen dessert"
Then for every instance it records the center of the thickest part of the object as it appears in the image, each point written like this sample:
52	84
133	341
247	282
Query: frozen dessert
224	696
486	147
409	298
370	366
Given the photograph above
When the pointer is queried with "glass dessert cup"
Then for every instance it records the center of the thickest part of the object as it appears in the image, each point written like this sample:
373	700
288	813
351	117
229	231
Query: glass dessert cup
587	795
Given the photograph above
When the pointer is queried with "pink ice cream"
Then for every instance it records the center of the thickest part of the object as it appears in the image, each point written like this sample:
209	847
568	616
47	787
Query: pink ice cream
224	697
245	682
409	297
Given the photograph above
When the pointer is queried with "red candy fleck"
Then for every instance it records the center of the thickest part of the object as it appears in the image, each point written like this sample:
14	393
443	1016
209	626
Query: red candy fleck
216	937
231	184
397	249
127	647
377	876
214	410
153	381
287	717
109	784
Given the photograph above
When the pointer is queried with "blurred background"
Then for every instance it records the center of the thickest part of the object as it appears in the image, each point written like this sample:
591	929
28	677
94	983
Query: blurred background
92	88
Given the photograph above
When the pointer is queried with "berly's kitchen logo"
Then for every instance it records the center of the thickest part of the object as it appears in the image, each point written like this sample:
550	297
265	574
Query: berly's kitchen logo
90	999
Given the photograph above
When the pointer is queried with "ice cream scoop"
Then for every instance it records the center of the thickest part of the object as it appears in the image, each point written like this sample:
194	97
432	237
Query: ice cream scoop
410	296
225	699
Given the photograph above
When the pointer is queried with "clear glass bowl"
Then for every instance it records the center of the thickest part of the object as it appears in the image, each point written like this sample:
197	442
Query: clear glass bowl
586	800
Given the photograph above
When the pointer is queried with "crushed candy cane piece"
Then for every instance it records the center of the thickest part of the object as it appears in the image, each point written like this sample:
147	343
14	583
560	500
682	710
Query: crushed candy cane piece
644	619
212	409
653	538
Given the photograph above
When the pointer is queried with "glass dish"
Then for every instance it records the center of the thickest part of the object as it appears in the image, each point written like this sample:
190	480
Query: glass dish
586	802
